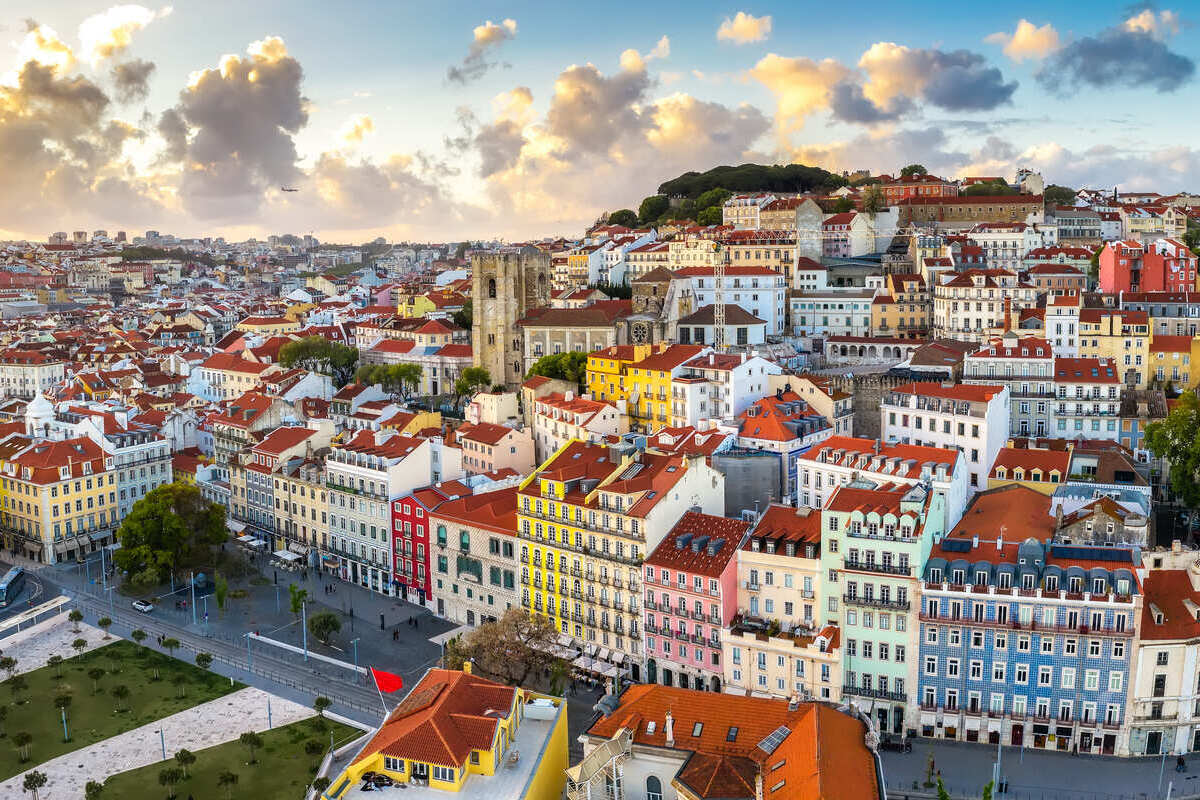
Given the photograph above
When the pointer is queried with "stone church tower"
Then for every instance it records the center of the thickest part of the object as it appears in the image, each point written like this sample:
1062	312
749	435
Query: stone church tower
505	283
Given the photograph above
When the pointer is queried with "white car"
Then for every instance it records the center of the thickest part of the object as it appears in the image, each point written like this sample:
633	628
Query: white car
143	606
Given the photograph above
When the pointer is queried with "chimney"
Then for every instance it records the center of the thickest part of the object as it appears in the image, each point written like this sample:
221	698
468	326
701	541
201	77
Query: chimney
568	395
670	730
794	702
712	359
1007	314
743	361
1000	541
975	541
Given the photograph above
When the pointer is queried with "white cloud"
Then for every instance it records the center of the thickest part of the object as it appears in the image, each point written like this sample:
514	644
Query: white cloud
490	33
633	61
1160	26
1028	41
43	45
355	129
800	85
110	32
744	29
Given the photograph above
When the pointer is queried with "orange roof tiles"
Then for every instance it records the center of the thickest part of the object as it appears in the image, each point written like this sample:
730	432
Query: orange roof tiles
688	547
959	391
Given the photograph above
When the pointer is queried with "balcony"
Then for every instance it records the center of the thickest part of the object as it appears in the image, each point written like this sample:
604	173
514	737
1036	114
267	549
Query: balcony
651	605
698	616
751	587
881	569
876	694
681	636
875	602
808	594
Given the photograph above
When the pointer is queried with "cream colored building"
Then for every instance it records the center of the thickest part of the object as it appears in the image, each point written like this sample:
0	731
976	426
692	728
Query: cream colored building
561	417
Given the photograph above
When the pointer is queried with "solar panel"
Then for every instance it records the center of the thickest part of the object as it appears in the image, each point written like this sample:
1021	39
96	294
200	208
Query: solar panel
956	545
775	739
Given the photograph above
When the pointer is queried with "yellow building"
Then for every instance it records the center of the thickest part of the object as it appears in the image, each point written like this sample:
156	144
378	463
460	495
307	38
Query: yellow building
585	520
59	498
1123	336
459	732
1171	361
903	308
1042	469
268	326
414	305
637	380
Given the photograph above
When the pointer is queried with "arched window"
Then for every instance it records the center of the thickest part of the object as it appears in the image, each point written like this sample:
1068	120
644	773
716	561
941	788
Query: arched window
491	287
653	788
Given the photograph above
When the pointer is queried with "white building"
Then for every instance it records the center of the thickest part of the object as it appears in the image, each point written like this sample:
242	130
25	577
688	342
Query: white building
1087	398
758	290
25	373
831	312
840	460
971	419
1005	244
561	417
719	386
1026	366
1062	323
742	210
972	304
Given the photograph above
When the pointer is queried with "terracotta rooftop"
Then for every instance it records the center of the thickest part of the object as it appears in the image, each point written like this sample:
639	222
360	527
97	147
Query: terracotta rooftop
699	544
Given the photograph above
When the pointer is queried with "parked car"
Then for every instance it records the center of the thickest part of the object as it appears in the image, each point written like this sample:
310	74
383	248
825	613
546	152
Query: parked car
143	606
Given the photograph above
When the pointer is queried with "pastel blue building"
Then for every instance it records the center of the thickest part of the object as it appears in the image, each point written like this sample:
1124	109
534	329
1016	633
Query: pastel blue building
1027	642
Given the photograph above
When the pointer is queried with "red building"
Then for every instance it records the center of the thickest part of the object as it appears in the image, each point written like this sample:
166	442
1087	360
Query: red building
410	537
1164	265
917	186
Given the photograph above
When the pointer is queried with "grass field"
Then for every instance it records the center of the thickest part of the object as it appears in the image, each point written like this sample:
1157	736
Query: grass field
95	712
285	766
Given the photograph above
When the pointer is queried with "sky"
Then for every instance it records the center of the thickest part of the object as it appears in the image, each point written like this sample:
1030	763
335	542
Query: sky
449	120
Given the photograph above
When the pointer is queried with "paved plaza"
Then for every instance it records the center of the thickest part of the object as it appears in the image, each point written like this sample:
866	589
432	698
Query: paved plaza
34	645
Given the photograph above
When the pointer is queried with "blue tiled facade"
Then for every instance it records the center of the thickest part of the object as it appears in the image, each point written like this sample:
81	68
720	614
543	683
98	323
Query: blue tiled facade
1024	652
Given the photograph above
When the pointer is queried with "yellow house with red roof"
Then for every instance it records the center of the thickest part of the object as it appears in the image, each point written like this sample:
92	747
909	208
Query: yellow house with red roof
637	379
460	732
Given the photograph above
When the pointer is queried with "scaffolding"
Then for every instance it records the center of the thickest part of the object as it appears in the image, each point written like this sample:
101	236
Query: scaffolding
600	775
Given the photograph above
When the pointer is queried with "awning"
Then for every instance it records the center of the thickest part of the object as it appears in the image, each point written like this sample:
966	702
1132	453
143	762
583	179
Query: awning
296	547
235	526
63	545
928	718
618	657
609	671
972	723
603	654
993	725
331	561
99	536
286	555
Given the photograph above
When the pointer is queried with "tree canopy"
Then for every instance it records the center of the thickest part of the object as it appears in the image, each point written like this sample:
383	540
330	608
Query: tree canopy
843	205
913	169
753	178
872	199
652	208
318	354
1055	195
713	215
623	216
987	189
171	526
472	380
1177	439
513	647
399	380
569	366
142	253
465	316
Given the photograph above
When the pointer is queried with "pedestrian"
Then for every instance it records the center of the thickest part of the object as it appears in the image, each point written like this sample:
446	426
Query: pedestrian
1180	764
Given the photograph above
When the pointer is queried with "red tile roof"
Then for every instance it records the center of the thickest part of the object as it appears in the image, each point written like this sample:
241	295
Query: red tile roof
687	547
1171	594
959	391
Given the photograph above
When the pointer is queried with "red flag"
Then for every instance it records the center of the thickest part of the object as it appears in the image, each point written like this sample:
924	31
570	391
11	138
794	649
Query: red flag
387	681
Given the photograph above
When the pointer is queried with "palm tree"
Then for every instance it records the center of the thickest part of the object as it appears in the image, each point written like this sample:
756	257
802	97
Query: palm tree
138	635
185	758
119	693
21	740
78	645
76	616
105	623
171	645
55	663
8	664
227	780
320	704
252	741
204	660
34	781
62	701
169	777
93	791
96	673
180	680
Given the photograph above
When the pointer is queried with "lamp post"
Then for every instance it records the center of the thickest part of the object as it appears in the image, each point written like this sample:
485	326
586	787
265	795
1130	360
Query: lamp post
355	643
163	741
304	626
193	583
249	660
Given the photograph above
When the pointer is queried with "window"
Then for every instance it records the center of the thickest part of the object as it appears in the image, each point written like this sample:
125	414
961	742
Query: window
464	540
654	786
441	535
443	773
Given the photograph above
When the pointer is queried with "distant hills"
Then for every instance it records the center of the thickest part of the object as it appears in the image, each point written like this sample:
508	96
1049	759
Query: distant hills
753	178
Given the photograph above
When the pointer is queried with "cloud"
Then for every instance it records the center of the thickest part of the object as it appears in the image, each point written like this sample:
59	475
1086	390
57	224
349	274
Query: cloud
633	61
486	37
1027	42
1160	26
132	79
800	85
1117	57
848	104
356	129
240	119
110	32
958	80
744	29
42	45
590	110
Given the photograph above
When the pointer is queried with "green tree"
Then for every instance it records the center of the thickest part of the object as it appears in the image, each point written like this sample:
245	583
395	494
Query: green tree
96	673
872	199
324	625
1055	195
8	665
22	740
180	682
170	644
76	617
16	685
843	205
321	704
399	380
987	189
105	623
221	590
987	791
465	316
512	647
942	794
204	660
33	781
320	784
1177	439
569	366
227	780
251	741
652	208
623	216
138	635
710	216
94	790
713	198
3	720
165	529
318	354
185	758
55	663
62	701
120	693
913	169
297	598
170	778
470	381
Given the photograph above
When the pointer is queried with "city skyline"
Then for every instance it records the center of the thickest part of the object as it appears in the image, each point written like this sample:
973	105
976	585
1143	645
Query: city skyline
513	122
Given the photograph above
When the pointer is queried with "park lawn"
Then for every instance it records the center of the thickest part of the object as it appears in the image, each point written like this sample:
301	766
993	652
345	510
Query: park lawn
94	717
283	770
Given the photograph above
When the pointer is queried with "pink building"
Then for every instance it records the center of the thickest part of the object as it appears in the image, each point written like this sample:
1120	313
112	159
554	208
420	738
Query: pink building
691	594
491	448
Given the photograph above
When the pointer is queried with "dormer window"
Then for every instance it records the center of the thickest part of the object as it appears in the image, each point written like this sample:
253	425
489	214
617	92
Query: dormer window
1027	581
1052	583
